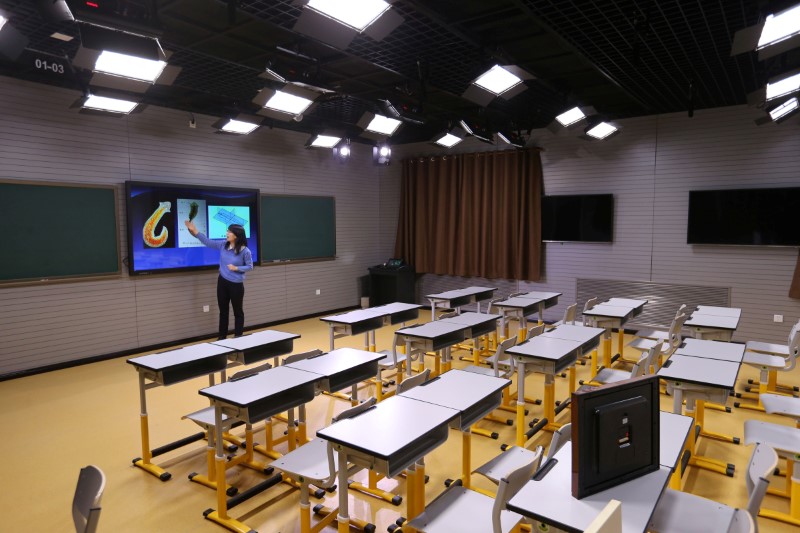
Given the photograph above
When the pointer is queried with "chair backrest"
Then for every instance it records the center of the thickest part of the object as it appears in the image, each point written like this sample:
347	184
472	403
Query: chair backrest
680	310
409	383
762	463
641	367
561	436
515	294
794	338
534	331
570	313
590	303
500	356
241	374
651	360
451	314
295	357
353	411
675	334
490	308
86	502
742	522
509	486
609	520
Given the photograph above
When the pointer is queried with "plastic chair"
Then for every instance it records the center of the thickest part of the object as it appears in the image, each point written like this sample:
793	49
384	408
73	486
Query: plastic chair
316	464
590	303
502	367
658	334
642	367
770	359
86	502
681	512
569	315
461	509
410	383
672	341
392	359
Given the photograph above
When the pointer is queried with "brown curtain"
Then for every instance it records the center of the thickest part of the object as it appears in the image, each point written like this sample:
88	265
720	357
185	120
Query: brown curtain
794	290
472	214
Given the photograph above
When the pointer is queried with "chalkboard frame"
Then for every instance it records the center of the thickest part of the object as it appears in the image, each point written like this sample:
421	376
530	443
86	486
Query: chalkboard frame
38	281
267	263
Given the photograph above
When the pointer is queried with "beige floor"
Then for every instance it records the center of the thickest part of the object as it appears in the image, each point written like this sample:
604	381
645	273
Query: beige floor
55	423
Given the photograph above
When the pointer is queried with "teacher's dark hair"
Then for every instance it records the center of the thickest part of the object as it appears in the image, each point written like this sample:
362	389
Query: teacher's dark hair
241	238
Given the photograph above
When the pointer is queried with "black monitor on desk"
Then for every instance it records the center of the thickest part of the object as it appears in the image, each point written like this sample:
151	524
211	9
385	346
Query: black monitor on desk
615	434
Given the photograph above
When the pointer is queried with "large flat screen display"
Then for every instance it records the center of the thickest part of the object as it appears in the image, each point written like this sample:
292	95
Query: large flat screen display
158	240
755	217
580	218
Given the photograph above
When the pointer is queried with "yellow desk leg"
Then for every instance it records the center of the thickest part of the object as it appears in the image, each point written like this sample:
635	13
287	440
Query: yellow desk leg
675	479
572	379
437	368
594	363
607	350
419	491
476	350
466	458
411	485
621	341
220	516
700	461
144	463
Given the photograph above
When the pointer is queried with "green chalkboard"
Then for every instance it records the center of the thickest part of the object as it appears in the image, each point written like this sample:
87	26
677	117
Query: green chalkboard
53	231
297	228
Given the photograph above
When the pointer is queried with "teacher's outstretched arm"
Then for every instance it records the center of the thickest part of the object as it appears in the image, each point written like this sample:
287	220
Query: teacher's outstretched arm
200	237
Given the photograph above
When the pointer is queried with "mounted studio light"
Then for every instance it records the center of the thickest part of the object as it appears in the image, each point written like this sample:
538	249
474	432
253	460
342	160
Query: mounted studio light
287	103
449	138
378	127
240	125
12	42
777	87
510	137
337	22
474	130
571	119
107	103
342	151
123	61
506	81
784	110
777	34
323	140
599	131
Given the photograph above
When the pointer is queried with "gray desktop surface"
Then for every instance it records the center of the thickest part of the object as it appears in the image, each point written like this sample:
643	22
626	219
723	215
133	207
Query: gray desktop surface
719	311
254	340
610	311
260	386
701	371
723	351
699	320
674	430
547	348
470	319
587	336
164	360
432	330
550	500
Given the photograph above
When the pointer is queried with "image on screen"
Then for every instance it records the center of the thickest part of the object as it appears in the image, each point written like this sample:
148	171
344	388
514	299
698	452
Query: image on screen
158	239
222	216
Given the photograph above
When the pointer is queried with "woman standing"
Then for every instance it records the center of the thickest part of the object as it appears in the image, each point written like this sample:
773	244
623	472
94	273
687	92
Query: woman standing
235	259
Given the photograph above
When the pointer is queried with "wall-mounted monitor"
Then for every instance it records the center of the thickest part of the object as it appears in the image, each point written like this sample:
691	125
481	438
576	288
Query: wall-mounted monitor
754	217
158	240
578	218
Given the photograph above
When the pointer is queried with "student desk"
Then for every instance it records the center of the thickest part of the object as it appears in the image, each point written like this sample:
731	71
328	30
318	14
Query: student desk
674	434
367	321
521	306
259	346
588	337
714	323
609	315
721	351
254	398
549	500
458	298
479	324
472	395
389	438
547	355
700	380
433	337
165	369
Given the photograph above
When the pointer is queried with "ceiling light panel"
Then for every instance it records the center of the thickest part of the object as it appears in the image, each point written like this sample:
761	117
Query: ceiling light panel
601	131
325	141
448	140
127	66
783	109
113	105
787	85
570	117
239	126
357	14
288	103
383	125
497	80
780	27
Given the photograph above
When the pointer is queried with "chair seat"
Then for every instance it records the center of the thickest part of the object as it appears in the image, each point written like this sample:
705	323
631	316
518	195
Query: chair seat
205	418
764	360
309	461
643	344
783	439
388	361
653	334
681	512
508	461
609	375
781	405
462	510
767	347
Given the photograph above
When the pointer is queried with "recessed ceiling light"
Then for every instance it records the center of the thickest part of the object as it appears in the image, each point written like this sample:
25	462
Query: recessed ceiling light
127	66
497	80
62	37
787	85
357	14
325	141
112	105
288	103
601	131
571	116
448	140
779	27
383	125
239	126
783	109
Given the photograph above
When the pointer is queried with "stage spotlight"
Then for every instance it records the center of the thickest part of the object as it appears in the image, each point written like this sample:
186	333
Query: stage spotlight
780	32
381	154
342	151
500	80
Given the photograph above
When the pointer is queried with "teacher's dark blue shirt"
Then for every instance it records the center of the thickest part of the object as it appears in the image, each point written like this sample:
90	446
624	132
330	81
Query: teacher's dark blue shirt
243	261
